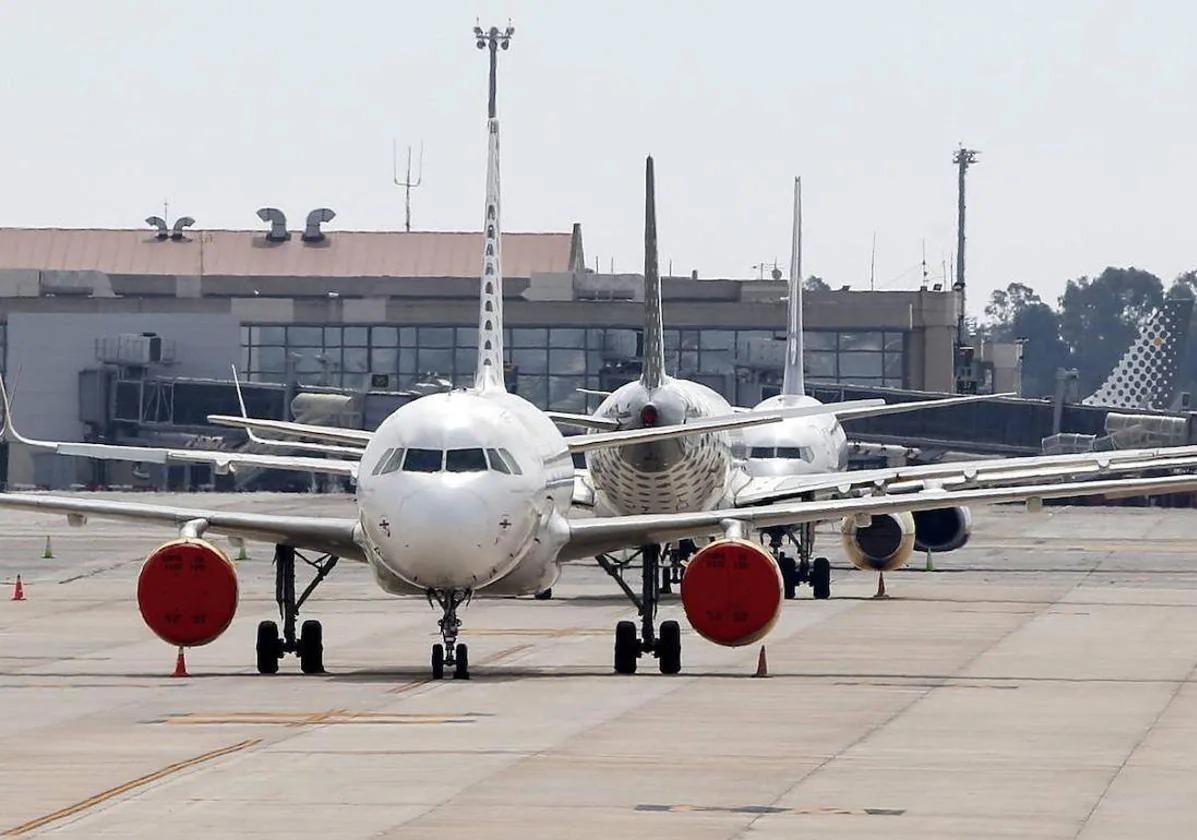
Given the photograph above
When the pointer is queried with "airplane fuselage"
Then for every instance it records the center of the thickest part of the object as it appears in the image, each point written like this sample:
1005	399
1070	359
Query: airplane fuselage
466	490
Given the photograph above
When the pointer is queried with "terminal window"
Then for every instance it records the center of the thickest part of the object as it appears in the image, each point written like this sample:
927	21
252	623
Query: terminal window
547	365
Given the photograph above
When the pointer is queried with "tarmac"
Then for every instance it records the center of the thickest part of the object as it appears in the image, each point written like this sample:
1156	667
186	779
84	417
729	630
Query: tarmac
1040	683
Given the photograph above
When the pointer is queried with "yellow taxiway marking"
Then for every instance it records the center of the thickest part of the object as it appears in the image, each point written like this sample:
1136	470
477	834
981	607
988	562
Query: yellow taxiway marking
91	801
332	716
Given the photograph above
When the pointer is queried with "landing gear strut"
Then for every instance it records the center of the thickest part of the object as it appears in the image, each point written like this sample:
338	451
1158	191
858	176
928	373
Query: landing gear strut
450	652
309	644
803	569
666	645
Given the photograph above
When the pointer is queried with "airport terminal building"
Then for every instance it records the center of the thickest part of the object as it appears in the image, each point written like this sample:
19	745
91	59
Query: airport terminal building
381	312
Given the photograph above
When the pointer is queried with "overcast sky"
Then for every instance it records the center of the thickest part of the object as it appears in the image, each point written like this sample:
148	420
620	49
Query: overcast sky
1083	112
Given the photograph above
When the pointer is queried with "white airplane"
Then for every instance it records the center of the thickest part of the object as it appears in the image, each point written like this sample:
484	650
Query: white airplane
469	493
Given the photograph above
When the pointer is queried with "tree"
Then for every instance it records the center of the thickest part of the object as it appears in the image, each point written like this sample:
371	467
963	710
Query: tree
1187	282
1099	319
815	283
1017	313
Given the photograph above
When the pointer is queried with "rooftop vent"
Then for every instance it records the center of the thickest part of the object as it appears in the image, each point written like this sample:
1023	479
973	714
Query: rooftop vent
278	224
176	232
312	232
160	223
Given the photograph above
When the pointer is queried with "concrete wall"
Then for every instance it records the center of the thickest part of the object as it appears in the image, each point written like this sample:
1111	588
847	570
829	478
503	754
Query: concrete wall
46	351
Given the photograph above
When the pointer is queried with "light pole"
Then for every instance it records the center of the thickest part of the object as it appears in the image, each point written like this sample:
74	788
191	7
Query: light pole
494	39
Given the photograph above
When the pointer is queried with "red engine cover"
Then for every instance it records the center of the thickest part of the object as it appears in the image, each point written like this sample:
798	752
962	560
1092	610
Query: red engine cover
187	592
732	592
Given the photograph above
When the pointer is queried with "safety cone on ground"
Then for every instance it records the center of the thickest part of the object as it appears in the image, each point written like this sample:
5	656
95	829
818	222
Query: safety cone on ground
880	586
48	554
762	664
180	665
18	591
242	556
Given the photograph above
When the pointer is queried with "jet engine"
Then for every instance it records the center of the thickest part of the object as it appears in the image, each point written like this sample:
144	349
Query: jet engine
187	592
881	544
942	529
732	592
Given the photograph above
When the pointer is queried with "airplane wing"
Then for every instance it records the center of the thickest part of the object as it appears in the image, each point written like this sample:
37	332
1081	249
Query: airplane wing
223	461
962	474
853	412
291	445
707	425
588	537
335	434
331	535
583	421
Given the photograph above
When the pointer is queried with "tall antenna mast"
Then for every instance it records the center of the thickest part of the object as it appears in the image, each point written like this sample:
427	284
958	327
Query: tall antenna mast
873	265
407	183
965	381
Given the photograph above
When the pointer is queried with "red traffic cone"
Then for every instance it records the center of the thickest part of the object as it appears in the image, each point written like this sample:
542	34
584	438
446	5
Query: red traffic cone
18	591
180	665
762	664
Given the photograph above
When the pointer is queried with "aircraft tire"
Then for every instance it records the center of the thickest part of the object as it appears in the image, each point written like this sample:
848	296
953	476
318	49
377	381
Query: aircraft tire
438	661
268	647
627	648
669	648
789	576
820	578
544	595
461	670
311	648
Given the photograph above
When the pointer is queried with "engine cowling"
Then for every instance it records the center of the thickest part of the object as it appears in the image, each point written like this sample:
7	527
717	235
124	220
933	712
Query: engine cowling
942	529
732	592
187	592
883	544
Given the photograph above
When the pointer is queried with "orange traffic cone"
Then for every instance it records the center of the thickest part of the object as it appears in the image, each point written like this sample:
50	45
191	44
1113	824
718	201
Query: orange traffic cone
18	591
762	665
180	665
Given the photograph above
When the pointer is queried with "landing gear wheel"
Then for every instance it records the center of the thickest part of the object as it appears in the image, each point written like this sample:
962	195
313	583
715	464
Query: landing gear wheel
627	648
789	576
669	648
438	661
545	595
269	647
820	578
311	648
461	671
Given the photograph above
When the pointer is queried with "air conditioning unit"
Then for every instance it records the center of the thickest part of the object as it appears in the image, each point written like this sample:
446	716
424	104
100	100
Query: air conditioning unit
135	350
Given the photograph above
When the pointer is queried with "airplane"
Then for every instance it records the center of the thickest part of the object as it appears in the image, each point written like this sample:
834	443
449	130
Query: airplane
469	493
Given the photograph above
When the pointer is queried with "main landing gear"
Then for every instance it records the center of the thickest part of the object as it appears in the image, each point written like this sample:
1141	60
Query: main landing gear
665	645
802	569
309	644
450	652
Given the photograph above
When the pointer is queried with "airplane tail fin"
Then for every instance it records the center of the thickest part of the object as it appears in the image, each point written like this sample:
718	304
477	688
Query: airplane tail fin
489	372
792	381
1146	375
653	372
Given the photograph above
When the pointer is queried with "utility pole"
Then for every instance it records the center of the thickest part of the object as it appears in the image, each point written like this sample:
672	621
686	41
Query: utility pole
407	183
966	382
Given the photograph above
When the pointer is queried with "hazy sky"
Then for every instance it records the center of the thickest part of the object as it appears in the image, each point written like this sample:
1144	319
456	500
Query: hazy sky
1084	114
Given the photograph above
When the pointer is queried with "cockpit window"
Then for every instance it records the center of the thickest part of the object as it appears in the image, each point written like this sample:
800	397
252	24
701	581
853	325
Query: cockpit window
512	464
793	453
382	462
392	461
465	460
496	462
423	460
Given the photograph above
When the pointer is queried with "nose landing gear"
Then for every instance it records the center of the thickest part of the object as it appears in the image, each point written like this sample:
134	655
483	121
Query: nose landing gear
450	653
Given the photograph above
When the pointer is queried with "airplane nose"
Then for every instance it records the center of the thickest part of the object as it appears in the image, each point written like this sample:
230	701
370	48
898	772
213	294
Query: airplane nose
446	540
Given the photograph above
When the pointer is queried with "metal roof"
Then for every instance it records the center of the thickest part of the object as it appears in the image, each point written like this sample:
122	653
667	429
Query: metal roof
247	253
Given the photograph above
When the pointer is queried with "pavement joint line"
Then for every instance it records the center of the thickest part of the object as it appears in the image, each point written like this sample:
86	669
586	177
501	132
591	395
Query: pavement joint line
1131	752
905	707
125	787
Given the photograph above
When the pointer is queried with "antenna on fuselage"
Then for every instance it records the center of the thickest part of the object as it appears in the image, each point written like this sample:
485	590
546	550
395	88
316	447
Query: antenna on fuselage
792	379
489	373
652	373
